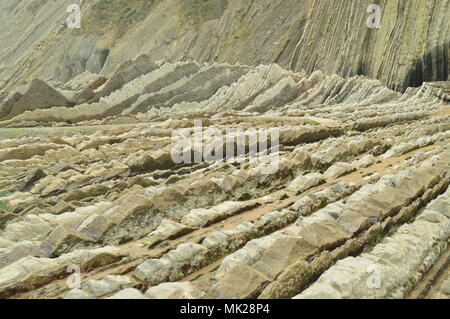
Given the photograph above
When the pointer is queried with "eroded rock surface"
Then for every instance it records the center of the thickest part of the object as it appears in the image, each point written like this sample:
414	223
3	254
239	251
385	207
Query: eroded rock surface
357	182
35	41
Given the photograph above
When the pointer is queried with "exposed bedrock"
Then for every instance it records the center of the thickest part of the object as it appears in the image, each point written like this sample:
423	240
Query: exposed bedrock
410	47
141	90
250	149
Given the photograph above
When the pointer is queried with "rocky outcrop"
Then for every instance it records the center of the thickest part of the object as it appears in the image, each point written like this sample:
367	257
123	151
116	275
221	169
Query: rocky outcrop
340	188
141	90
193	177
285	32
38	95
31	272
399	260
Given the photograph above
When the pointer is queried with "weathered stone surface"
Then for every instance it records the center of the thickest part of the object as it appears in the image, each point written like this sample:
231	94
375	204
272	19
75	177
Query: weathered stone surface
30	179
305	182
168	229
365	161
202	217
38	95
252	222
178	290
335	53
338	169
128	293
105	286
30	272
232	285
399	261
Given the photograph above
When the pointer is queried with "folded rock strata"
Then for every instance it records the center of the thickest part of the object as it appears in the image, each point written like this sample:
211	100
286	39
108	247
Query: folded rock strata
360	167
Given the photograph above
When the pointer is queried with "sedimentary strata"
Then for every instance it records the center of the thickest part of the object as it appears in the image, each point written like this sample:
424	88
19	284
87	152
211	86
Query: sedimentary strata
361	184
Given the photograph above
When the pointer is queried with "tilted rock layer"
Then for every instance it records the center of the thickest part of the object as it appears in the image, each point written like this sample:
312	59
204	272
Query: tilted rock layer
411	45
225	149
360	189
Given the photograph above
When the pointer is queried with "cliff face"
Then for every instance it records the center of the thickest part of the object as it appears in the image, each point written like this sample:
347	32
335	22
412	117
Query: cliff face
259	175
411	46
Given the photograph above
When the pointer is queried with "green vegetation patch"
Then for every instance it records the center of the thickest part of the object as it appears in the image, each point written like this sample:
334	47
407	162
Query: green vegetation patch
198	11
241	33
119	14
3	206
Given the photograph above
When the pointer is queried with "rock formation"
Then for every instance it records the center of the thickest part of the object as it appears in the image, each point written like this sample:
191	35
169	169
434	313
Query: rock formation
410	47
251	149
355	161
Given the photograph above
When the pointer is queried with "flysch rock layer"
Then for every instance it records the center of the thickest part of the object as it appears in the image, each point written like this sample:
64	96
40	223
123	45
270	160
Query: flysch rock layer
405	49
361	184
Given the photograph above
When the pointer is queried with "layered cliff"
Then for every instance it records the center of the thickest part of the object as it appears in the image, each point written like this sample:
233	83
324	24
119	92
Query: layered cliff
411	45
225	149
